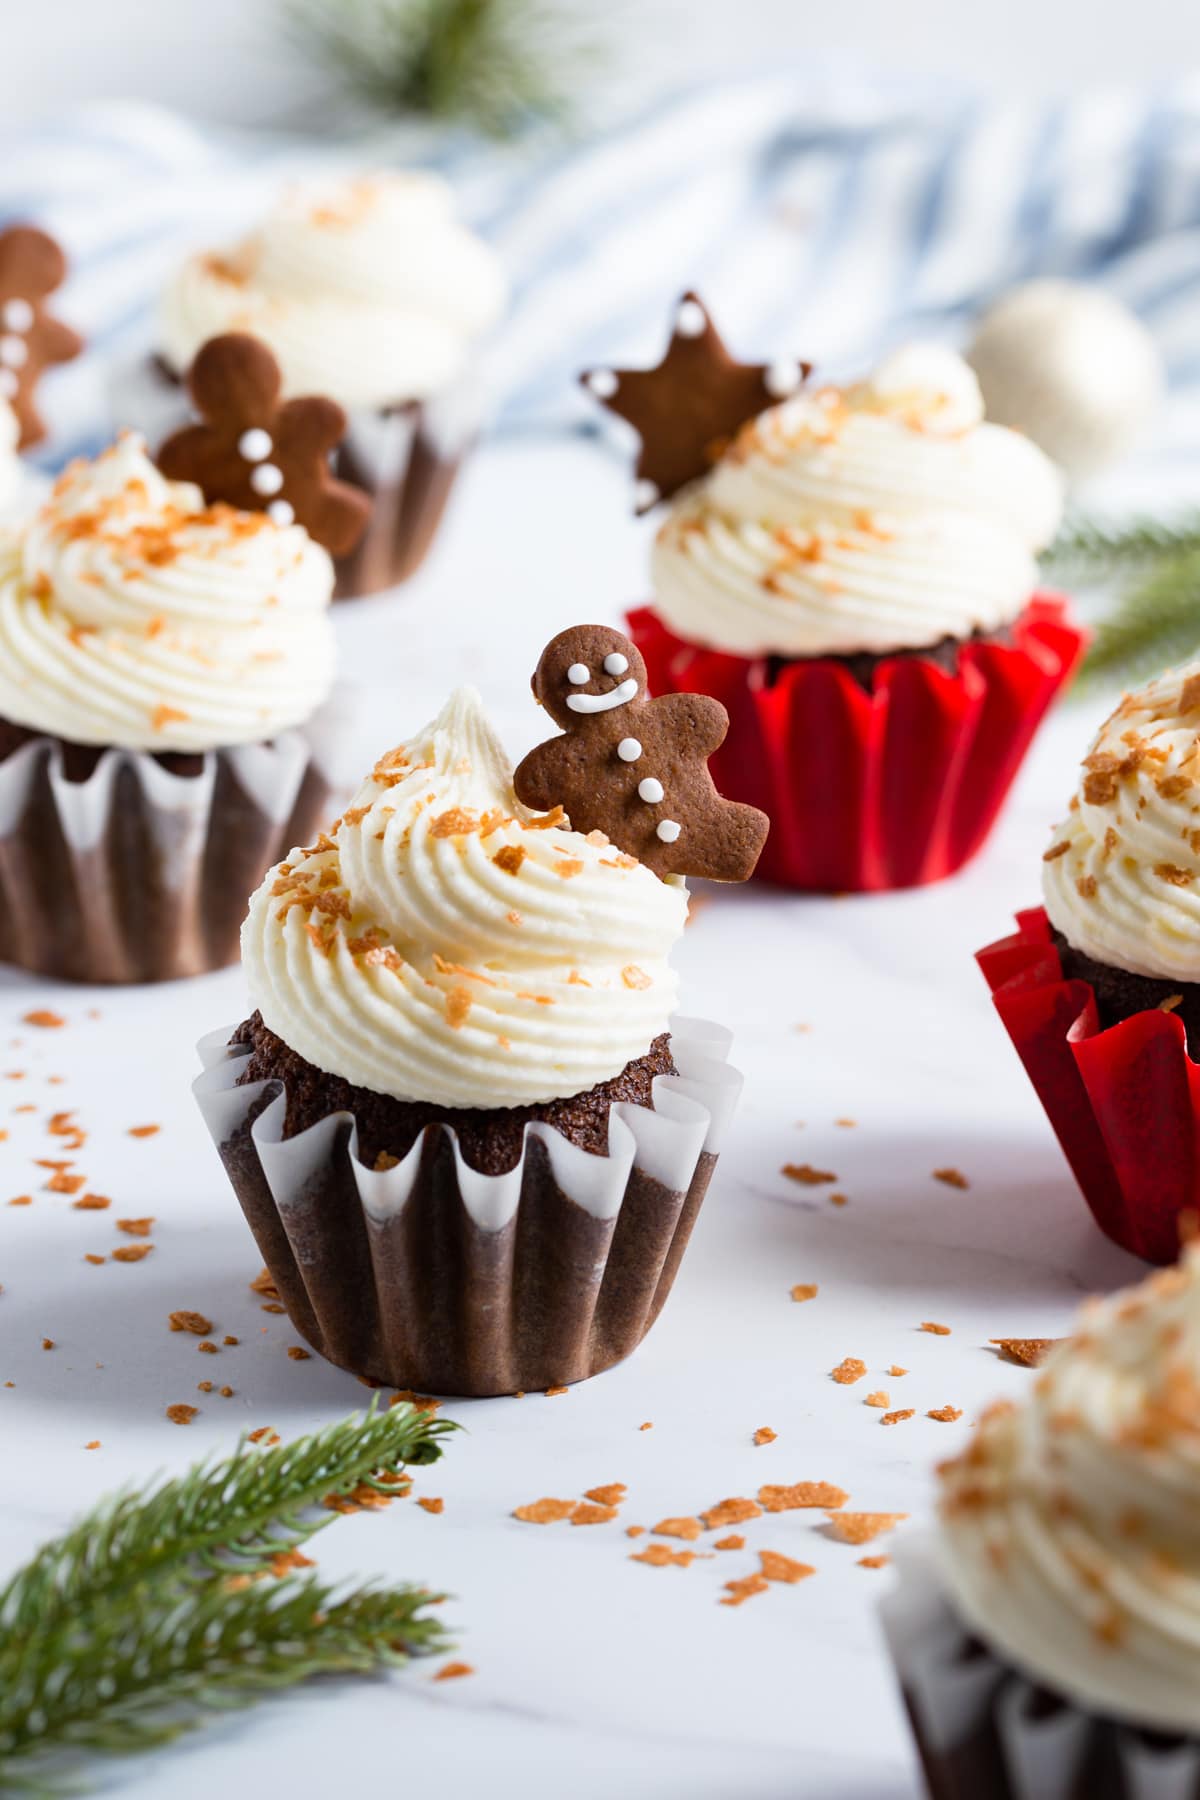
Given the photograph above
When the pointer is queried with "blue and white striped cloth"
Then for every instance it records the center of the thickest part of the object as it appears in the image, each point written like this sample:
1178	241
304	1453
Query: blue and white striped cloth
821	211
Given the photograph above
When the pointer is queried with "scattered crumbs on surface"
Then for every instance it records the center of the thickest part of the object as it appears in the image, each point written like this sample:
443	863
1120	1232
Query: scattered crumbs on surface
764	1435
93	1445
861	1527
229	1339
47	1343
181	1414
807	1175
419	1402
552	1392
428	1503
934	1328
207	1348
91	1203
951	1178
284	1561
272	1306
687	1528
610	1494
453	1671
264	1283
204	1387
731	1512
635	1531
896	1371
263	1434
91	1257
1030	1352
801	1494
737	1592
44	1018
588	1513
297	1352
874	1562
898	1418
945	1415
544	1511
805	1290
846	1124
839	1199
190	1321
143	1131
62	1183
129	1253
734	1541
647	1426
660	1556
226	1393
777	1567
802	1028
135	1227
21	1200
848	1371
880	1398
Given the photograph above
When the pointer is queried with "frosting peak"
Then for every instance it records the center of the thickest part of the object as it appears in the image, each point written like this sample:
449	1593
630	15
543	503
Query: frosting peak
132	614
1121	877
883	516
1072	1530
446	944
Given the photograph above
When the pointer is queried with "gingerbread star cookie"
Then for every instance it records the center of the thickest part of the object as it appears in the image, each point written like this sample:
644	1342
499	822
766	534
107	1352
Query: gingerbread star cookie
691	406
632	767
260	453
32	266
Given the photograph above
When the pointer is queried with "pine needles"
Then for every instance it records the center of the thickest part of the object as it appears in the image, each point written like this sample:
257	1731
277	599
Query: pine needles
1156	567
154	1608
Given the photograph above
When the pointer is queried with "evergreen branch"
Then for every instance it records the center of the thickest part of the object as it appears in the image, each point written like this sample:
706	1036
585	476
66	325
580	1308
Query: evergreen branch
154	1607
1156	624
1089	548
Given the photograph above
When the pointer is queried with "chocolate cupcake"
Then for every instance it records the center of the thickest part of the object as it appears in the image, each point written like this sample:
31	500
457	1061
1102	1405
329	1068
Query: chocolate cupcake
468	1133
367	290
1048	1640
1100	989
851	572
163	666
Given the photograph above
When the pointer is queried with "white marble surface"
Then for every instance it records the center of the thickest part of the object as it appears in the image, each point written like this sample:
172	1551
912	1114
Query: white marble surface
594	1675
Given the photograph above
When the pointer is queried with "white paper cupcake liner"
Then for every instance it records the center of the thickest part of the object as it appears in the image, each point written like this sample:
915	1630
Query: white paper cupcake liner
432	1275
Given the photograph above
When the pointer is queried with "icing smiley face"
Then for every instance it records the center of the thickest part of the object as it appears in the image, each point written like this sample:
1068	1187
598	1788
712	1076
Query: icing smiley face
587	672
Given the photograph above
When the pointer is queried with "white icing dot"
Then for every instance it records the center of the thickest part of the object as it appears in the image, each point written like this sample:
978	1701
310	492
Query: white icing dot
266	479
651	790
645	495
8	383
281	512
782	379
603	383
14	352
615	664
578	673
629	749
255	445
17	315
668	830
690	320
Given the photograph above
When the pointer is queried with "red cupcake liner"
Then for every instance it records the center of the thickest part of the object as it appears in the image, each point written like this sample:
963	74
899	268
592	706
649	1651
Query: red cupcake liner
1124	1103
886	789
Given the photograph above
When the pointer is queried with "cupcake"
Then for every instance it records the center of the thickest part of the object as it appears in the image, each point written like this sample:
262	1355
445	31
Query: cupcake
1098	988
466	1128
161	663
1047	1640
367	290
852	573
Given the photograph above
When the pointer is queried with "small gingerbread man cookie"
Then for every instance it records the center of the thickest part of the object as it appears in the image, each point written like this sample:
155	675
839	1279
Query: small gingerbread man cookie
259	453
632	767
31	266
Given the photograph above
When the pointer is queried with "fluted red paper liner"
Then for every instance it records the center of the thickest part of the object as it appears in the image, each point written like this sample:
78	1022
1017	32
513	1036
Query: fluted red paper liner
1124	1103
886	789
434	1276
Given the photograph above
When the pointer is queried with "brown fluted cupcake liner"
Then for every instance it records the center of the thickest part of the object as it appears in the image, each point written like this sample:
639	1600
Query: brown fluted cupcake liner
406	457
434	1276
985	1732
141	869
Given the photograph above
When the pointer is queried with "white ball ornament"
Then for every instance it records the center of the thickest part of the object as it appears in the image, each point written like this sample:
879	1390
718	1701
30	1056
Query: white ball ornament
1072	368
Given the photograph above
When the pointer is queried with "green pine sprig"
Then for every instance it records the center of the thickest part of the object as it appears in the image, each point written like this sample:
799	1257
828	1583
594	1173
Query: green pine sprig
1154	566
153	1609
494	65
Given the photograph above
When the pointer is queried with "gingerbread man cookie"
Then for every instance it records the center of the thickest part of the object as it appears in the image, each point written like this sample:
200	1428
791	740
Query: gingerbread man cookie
259	453
632	767
31	266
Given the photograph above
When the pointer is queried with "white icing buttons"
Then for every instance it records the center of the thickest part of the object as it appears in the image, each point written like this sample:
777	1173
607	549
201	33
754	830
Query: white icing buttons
690	320
578	673
17	315
255	445
629	749
651	790
266	479
603	383
782	379
281	512
645	495
14	352
8	383
668	830
615	664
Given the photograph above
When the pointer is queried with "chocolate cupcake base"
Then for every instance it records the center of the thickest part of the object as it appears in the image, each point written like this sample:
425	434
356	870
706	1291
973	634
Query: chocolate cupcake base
122	866
985	1732
433	1274
1120	994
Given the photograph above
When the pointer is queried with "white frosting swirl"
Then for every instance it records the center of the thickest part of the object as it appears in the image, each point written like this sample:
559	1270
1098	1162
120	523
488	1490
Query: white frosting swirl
368	291
1121	878
1071	1537
883	517
445	944
132	614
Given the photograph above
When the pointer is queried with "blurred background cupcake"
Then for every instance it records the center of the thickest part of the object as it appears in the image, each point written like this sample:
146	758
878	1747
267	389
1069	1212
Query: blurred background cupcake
1046	1642
369	291
852	573
163	670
